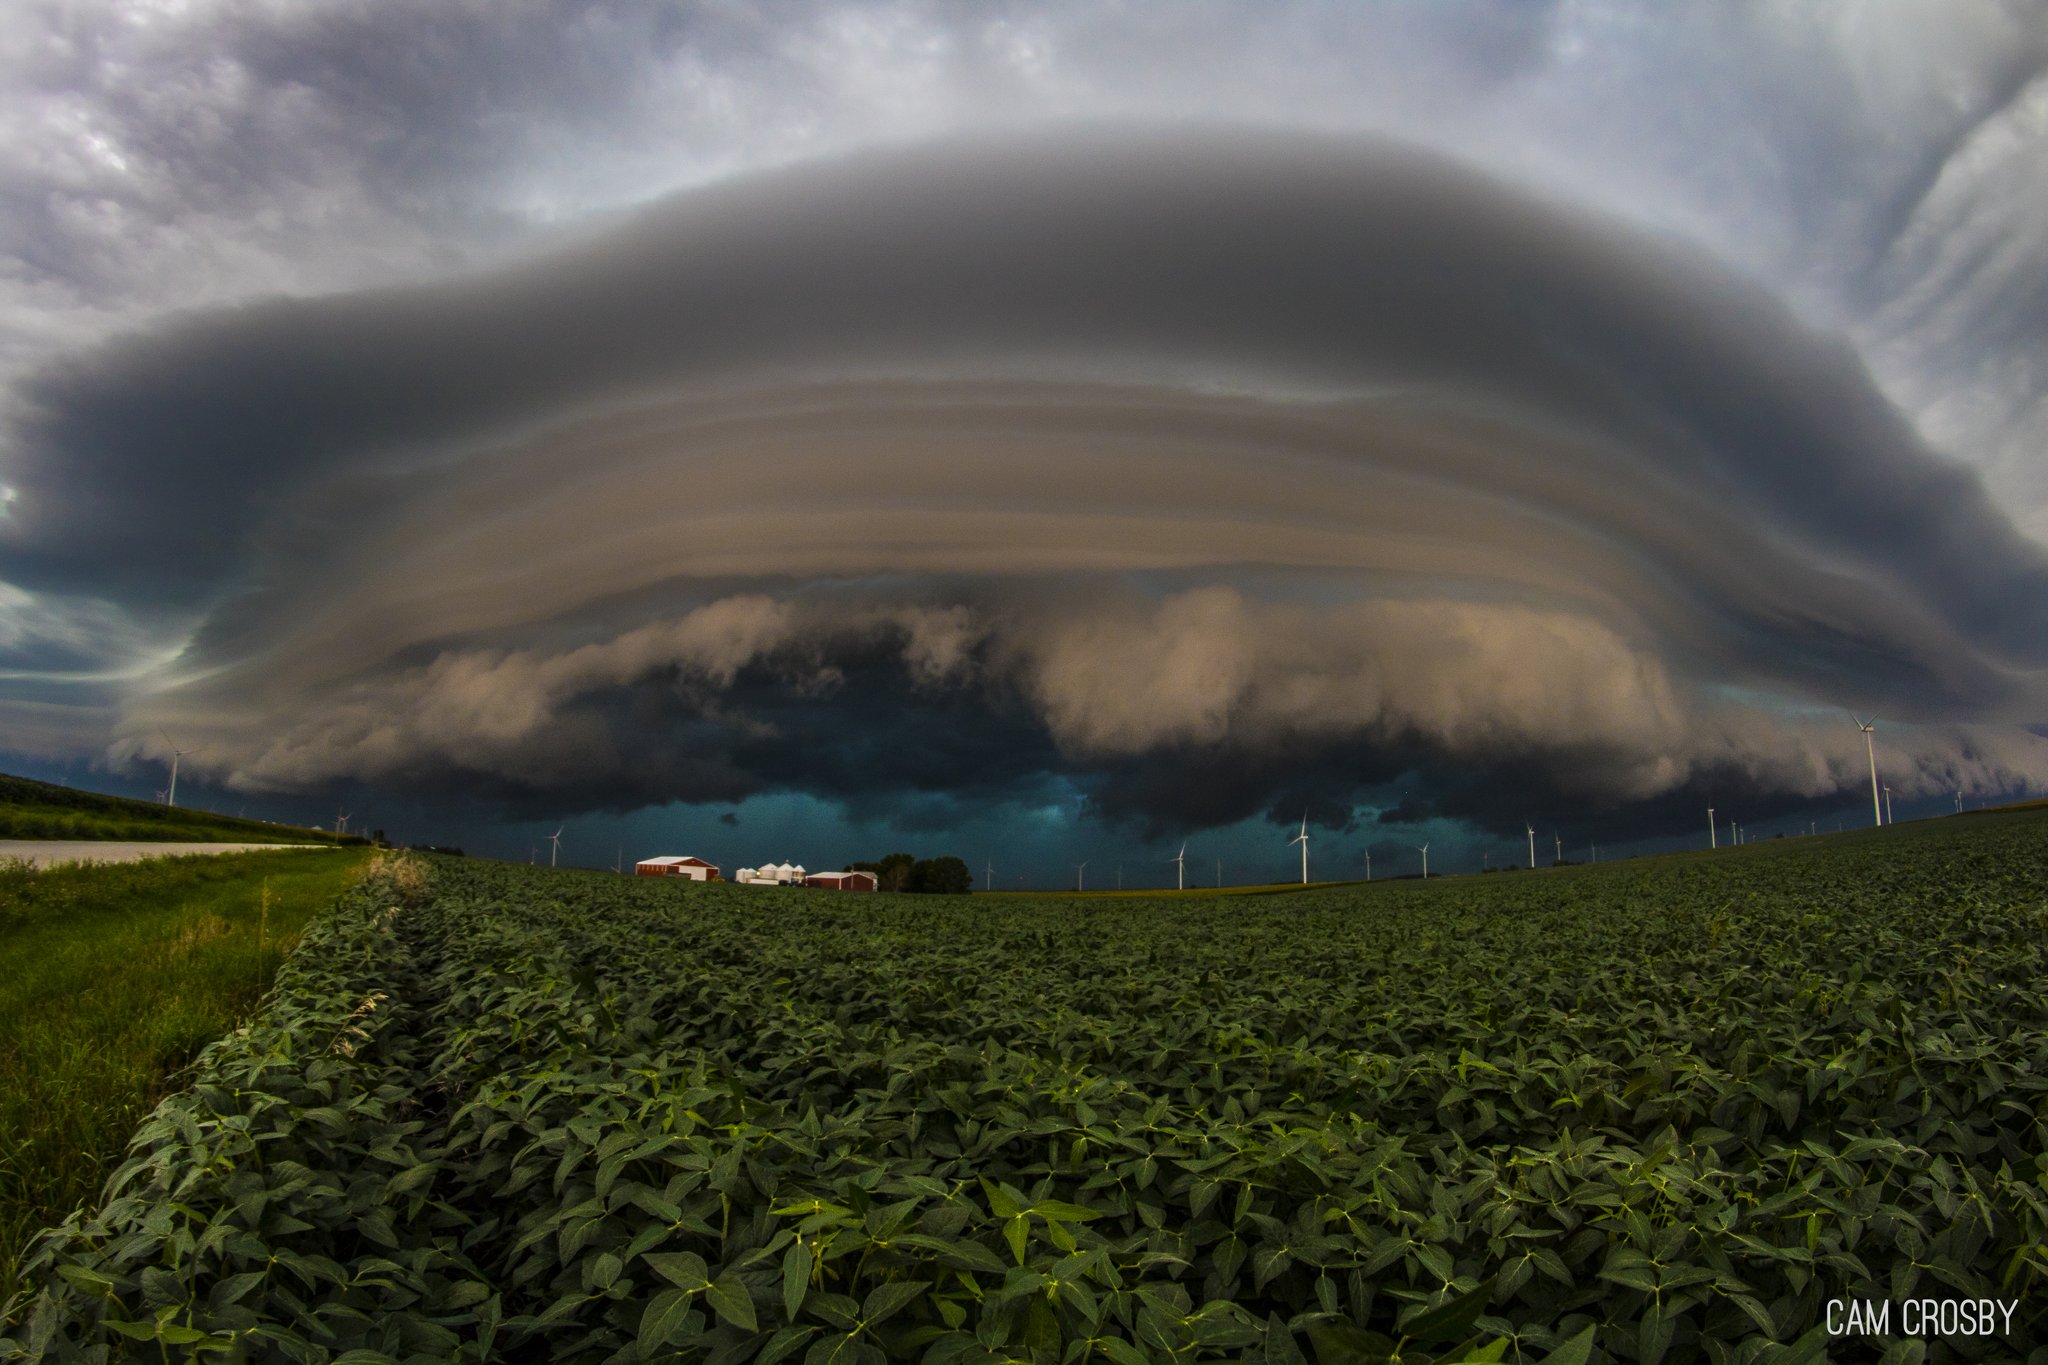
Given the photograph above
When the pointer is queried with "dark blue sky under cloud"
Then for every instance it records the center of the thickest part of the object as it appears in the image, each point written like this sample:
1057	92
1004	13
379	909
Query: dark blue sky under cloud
1027	431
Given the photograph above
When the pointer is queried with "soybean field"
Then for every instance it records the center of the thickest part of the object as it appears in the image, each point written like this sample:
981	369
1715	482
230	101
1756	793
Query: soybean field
1651	1111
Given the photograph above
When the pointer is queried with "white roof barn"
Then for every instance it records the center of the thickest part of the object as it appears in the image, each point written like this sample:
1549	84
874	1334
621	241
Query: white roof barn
676	865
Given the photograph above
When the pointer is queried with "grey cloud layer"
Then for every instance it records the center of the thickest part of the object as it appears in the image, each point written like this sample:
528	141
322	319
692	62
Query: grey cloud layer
1411	459
1246	260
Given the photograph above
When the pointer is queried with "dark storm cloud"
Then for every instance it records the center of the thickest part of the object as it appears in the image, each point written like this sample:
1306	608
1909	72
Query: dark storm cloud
1519	489
1316	261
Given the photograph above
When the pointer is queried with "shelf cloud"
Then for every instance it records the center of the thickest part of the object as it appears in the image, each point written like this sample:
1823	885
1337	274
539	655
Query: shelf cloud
1120	453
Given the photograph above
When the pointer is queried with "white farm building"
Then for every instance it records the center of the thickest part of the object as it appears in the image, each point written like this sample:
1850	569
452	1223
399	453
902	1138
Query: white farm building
770	874
676	865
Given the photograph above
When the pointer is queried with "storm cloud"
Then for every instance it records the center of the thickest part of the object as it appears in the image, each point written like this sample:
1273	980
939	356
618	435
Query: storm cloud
1211	468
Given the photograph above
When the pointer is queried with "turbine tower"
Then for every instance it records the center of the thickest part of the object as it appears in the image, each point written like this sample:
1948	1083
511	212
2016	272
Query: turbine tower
988	875
1424	851
1079	874
1870	748
1532	844
1959	800
556	840
1302	839
1559	840
1368	864
1181	864
1713	838
1888	804
171	792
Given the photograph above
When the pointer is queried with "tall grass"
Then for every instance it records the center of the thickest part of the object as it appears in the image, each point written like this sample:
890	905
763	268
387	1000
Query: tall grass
112	977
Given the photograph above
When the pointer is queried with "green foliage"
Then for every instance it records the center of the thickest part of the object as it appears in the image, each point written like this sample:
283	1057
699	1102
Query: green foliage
946	876
113	976
43	810
1654	1112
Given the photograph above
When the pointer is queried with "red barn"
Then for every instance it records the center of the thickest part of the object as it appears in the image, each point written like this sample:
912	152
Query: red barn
672	865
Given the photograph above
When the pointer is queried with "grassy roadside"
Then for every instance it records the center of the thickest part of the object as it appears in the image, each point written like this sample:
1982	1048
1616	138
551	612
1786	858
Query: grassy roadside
111	978
43	810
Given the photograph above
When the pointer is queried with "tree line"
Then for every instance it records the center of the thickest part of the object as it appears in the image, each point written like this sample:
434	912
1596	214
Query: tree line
947	876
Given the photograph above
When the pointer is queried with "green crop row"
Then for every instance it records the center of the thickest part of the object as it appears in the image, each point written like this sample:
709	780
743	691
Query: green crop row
1654	1112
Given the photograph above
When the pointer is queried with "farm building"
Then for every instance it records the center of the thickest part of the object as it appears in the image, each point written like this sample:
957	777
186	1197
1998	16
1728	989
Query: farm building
770	874
841	881
675	865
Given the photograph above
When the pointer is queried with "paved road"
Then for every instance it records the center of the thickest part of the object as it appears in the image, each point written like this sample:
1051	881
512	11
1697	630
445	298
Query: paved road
44	852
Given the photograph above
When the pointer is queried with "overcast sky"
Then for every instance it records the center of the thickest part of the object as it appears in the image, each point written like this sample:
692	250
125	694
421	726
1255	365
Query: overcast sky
1070	428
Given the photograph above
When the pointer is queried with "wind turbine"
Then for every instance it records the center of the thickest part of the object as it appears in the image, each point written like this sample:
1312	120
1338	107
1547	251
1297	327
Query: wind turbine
988	875
1870	748
1713	836
171	792
1368	864
1559	839
1959	800
556	840
1302	839
341	821
1219	874
1424	851
619	862
1888	804
1532	842
1078	875
1180	863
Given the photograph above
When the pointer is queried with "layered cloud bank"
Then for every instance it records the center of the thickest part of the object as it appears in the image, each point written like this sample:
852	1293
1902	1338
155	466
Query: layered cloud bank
1207	471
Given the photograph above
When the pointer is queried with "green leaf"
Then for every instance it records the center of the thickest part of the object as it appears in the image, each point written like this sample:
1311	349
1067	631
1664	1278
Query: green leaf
1002	1202
887	1300
1453	1320
957	1252
796	1278
1576	1349
684	1269
1807	1348
1054	1211
730	1300
1280	1345
1338	1342
87	1281
784	1341
1015	1232
662	1316
1123	1352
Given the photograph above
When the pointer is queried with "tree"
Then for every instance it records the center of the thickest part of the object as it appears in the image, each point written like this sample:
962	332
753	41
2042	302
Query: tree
891	873
947	876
